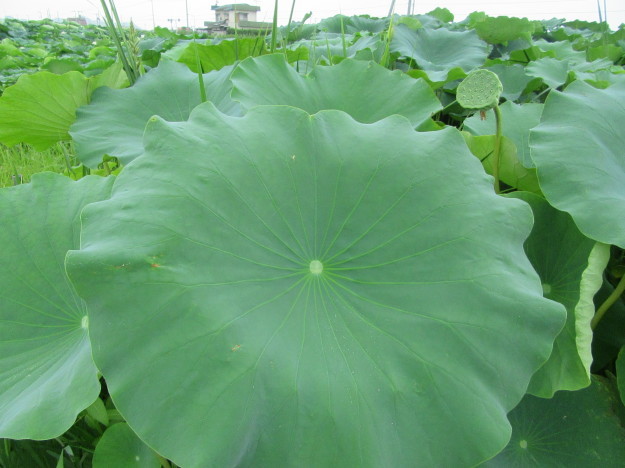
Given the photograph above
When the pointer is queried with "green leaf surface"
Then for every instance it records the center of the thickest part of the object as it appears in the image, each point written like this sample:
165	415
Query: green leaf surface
40	108
511	171
578	153
305	290
120	447
513	79
47	375
269	80
570	266
502	29
170	91
437	51
578	429
517	121
552	71
217	56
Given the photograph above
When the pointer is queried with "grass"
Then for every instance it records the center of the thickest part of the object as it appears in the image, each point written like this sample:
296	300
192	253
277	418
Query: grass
20	162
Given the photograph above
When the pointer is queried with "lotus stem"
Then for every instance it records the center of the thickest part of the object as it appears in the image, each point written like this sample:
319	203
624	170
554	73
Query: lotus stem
497	147
603	308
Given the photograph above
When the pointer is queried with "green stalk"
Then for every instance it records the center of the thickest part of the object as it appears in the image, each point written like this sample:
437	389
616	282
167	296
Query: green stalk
119	36
200	73
274	28
497	149
386	57
67	161
603	308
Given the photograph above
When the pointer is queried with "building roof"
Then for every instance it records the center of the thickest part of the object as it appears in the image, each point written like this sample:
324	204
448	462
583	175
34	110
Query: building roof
235	7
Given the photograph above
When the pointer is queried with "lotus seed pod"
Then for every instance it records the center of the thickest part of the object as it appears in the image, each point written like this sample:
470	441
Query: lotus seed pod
480	90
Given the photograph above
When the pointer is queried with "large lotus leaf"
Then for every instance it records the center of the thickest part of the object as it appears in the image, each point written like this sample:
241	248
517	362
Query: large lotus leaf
573	429
513	79
511	171
517	121
438	51
552	71
502	29
271	80
119	447
579	157
40	108
217	56
114	122
570	266
47	375
304	291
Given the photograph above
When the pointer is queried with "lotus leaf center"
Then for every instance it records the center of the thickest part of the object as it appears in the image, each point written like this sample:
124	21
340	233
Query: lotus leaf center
84	323
546	288
523	444
316	267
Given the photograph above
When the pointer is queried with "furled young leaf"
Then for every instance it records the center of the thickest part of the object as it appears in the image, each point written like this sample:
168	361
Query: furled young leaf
517	121
113	123
119	447
570	266
578	152
218	56
437	51
39	108
366	91
47	375
305	290
571	429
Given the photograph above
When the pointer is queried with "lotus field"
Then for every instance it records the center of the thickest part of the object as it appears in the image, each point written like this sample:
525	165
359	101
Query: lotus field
366	242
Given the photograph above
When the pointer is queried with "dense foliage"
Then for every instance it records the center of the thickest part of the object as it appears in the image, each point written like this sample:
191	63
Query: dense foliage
365	242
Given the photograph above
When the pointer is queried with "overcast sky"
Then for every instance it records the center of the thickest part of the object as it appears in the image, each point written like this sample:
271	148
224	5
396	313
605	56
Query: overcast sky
168	13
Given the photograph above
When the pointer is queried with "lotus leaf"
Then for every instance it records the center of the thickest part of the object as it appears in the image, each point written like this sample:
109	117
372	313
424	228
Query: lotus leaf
517	121
571	274
502	29
171	91
217	56
119	447
47	375
578	152
438	51
511	171
552	71
556	432
305	290
271	80
40	108
513	79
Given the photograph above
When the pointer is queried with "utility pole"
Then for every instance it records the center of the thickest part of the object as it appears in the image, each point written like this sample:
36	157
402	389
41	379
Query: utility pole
153	21
409	7
390	10
186	6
